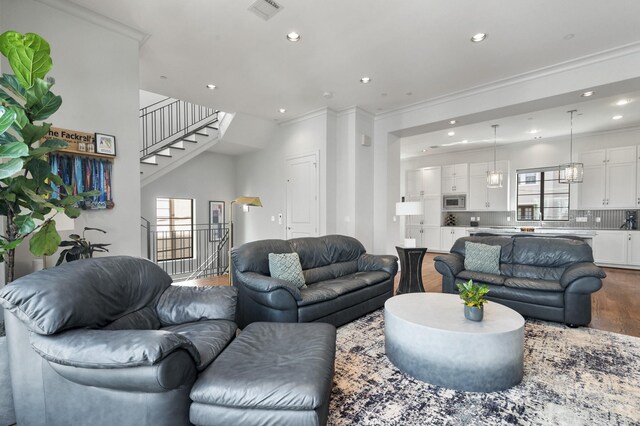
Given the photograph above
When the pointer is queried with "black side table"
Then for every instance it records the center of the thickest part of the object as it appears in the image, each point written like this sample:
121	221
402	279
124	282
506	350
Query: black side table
411	269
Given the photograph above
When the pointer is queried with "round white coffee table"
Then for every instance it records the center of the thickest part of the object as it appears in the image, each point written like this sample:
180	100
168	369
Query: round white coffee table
428	337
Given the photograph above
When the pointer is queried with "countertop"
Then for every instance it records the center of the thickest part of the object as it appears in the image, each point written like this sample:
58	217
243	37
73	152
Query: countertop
538	231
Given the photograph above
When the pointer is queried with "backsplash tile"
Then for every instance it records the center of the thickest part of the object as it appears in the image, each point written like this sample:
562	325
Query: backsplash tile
609	219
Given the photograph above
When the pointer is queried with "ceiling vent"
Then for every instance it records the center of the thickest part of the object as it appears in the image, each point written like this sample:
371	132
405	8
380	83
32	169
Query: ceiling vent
265	8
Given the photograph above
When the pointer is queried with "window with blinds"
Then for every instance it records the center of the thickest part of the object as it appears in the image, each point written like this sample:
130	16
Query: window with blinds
174	219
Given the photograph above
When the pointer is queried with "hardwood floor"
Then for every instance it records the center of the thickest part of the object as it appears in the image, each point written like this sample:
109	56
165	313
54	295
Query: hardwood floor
614	307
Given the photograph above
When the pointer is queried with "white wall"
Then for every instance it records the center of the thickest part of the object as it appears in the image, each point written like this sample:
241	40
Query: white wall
149	98
207	177
96	72
263	174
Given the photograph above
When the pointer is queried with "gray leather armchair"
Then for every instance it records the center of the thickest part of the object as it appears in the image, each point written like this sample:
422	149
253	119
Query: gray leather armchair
109	341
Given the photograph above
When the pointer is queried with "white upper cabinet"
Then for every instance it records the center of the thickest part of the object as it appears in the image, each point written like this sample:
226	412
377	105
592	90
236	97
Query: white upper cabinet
609	179
455	179
489	199
425	181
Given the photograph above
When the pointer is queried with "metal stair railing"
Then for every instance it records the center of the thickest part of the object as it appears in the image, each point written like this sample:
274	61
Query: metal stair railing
214	258
168	123
183	251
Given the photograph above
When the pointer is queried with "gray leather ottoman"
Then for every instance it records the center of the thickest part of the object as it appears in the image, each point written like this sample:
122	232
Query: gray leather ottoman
272	374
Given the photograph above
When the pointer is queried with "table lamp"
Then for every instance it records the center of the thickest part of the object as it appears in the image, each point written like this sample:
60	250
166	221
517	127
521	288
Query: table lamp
409	208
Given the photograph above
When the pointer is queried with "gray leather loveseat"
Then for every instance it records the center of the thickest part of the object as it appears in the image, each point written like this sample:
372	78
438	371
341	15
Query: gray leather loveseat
540	277
343	282
110	341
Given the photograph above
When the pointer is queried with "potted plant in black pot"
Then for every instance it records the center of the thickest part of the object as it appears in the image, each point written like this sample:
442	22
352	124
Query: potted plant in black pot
80	248
473	297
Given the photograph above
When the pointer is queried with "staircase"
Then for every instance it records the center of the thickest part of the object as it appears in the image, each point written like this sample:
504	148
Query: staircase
172	132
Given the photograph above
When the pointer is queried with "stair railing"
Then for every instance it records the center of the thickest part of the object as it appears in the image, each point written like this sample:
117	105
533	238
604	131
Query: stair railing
167	123
214	261
182	252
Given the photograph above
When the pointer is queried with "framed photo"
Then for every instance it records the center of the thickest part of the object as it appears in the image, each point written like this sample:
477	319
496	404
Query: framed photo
216	220
105	144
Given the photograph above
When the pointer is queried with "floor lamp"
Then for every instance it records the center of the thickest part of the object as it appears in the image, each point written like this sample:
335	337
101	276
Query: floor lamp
245	201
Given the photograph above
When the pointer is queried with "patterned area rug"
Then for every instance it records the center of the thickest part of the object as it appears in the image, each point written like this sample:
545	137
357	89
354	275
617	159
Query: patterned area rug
571	377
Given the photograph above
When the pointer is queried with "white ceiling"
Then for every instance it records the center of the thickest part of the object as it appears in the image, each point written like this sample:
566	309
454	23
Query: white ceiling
594	114
412	49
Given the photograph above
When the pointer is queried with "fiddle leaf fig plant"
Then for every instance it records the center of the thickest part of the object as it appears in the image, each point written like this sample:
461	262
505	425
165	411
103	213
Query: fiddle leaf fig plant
473	294
27	198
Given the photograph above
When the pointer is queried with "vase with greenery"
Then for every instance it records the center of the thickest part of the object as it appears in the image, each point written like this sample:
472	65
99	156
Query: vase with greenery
28	199
80	248
473	297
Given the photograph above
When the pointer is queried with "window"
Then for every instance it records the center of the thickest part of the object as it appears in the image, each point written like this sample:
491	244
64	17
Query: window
174	217
541	196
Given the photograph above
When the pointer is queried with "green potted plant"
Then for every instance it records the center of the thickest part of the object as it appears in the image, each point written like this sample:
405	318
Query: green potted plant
473	297
80	248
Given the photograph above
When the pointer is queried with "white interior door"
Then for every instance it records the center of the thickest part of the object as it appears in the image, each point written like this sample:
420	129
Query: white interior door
302	196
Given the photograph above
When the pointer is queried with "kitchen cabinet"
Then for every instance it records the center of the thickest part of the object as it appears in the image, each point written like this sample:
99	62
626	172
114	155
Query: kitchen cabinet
425	236
449	235
610	247
609	179
455	178
633	248
425	181
481	198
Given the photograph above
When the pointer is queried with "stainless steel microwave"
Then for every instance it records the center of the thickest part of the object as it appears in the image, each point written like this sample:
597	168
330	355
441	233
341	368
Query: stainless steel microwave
454	202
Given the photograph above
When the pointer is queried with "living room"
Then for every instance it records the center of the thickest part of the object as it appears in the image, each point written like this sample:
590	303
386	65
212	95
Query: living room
368	92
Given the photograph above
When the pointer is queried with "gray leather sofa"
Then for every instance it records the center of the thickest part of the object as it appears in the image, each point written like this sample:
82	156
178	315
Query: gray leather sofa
343	282
110	341
540	277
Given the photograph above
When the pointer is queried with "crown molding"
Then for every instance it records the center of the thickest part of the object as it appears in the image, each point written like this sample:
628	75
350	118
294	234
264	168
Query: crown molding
355	109
309	115
97	19
572	64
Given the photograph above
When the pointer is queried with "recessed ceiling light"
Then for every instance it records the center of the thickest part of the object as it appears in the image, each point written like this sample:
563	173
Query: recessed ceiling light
327	95
424	150
282	110
569	36
365	80
465	141
617	117
452	122
409	93
211	86
384	94
477	38
451	133
622	102
293	36
533	131
587	94
164	77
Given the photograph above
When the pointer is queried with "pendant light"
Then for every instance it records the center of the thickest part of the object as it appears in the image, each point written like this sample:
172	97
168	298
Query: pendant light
571	172
494	177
